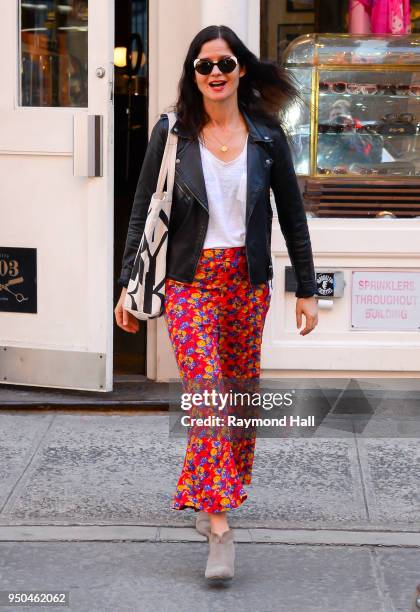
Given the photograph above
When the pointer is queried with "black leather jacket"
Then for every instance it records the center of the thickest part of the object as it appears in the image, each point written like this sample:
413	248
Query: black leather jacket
269	164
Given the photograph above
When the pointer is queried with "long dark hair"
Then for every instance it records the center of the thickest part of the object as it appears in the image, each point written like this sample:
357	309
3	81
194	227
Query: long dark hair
263	92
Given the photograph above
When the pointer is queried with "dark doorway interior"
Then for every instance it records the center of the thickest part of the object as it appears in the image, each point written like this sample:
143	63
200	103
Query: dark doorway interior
130	142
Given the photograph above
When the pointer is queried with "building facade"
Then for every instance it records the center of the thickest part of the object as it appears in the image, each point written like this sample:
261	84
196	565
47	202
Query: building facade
74	124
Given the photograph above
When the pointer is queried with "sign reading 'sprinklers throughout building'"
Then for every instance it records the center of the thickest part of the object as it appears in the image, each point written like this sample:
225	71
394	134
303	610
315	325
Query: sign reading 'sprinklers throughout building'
385	300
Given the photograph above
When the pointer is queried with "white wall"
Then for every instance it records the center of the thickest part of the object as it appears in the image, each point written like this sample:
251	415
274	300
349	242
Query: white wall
243	16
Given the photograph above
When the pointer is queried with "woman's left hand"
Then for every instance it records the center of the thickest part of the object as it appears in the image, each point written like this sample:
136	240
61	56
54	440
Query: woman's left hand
309	308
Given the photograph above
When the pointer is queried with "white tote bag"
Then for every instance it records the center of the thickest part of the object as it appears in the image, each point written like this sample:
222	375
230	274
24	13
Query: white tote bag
145	295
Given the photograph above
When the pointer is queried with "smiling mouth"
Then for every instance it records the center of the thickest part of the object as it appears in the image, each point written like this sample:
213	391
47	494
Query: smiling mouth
217	84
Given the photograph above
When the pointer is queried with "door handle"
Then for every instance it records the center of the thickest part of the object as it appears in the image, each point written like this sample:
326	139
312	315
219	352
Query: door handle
87	145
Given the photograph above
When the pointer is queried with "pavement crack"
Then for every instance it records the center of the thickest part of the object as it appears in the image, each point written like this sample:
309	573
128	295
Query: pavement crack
380	581
362	476
16	488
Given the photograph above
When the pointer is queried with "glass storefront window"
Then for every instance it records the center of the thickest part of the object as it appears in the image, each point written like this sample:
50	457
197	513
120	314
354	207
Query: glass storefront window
366	120
368	123
297	118
355	135
359	146
53	53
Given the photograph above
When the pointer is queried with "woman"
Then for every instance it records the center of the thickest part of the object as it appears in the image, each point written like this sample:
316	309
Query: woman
231	150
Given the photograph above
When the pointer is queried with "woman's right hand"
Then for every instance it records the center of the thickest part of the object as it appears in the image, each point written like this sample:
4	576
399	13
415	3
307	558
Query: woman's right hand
123	318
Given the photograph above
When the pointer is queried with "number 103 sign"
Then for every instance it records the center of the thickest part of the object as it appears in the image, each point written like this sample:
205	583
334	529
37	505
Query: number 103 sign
18	279
385	300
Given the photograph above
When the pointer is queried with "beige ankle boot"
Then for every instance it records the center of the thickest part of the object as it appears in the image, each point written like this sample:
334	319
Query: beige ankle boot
221	560
202	523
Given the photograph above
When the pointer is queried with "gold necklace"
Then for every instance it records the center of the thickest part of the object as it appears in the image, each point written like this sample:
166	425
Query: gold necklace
224	148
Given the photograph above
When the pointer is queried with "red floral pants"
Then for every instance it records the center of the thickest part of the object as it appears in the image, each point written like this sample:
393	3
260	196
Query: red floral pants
215	326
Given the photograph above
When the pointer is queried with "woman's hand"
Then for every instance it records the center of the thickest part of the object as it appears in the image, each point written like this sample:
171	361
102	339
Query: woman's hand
309	307
123	318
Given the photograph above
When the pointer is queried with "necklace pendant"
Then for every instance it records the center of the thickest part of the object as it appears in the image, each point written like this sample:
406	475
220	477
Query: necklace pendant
224	148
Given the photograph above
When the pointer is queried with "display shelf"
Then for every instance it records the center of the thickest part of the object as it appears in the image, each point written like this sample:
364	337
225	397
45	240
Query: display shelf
367	129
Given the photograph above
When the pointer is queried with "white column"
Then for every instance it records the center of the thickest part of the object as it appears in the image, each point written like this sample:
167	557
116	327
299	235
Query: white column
243	16
172	26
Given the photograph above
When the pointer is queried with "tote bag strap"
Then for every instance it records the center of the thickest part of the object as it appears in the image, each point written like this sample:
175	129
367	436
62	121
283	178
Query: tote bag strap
167	167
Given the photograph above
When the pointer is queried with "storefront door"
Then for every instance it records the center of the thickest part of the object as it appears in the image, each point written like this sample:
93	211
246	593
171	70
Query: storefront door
56	174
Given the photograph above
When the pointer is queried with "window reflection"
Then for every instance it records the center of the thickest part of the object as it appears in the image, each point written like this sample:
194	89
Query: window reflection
368	123
54	53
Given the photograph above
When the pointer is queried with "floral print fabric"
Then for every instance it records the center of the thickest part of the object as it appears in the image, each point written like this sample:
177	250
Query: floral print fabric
215	325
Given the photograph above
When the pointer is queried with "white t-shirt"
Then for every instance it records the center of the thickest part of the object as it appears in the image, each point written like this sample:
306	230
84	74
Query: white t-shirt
226	184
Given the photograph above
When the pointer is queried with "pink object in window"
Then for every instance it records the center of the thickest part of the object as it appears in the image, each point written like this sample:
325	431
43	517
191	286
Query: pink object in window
359	17
386	16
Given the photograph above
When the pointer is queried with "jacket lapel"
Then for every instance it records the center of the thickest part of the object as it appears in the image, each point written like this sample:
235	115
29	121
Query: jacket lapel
189	170
255	174
258	162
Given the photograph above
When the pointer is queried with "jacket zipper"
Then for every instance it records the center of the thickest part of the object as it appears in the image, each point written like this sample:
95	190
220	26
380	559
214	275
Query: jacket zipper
247	258
192	194
182	190
198	258
186	188
246	251
270	267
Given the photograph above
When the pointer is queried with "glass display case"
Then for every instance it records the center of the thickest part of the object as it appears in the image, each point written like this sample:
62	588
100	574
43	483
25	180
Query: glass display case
355	132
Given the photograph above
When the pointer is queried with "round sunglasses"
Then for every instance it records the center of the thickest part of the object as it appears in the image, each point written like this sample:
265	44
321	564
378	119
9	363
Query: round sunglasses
225	65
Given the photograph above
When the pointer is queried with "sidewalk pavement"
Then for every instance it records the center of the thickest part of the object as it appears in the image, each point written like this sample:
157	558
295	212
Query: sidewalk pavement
331	523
